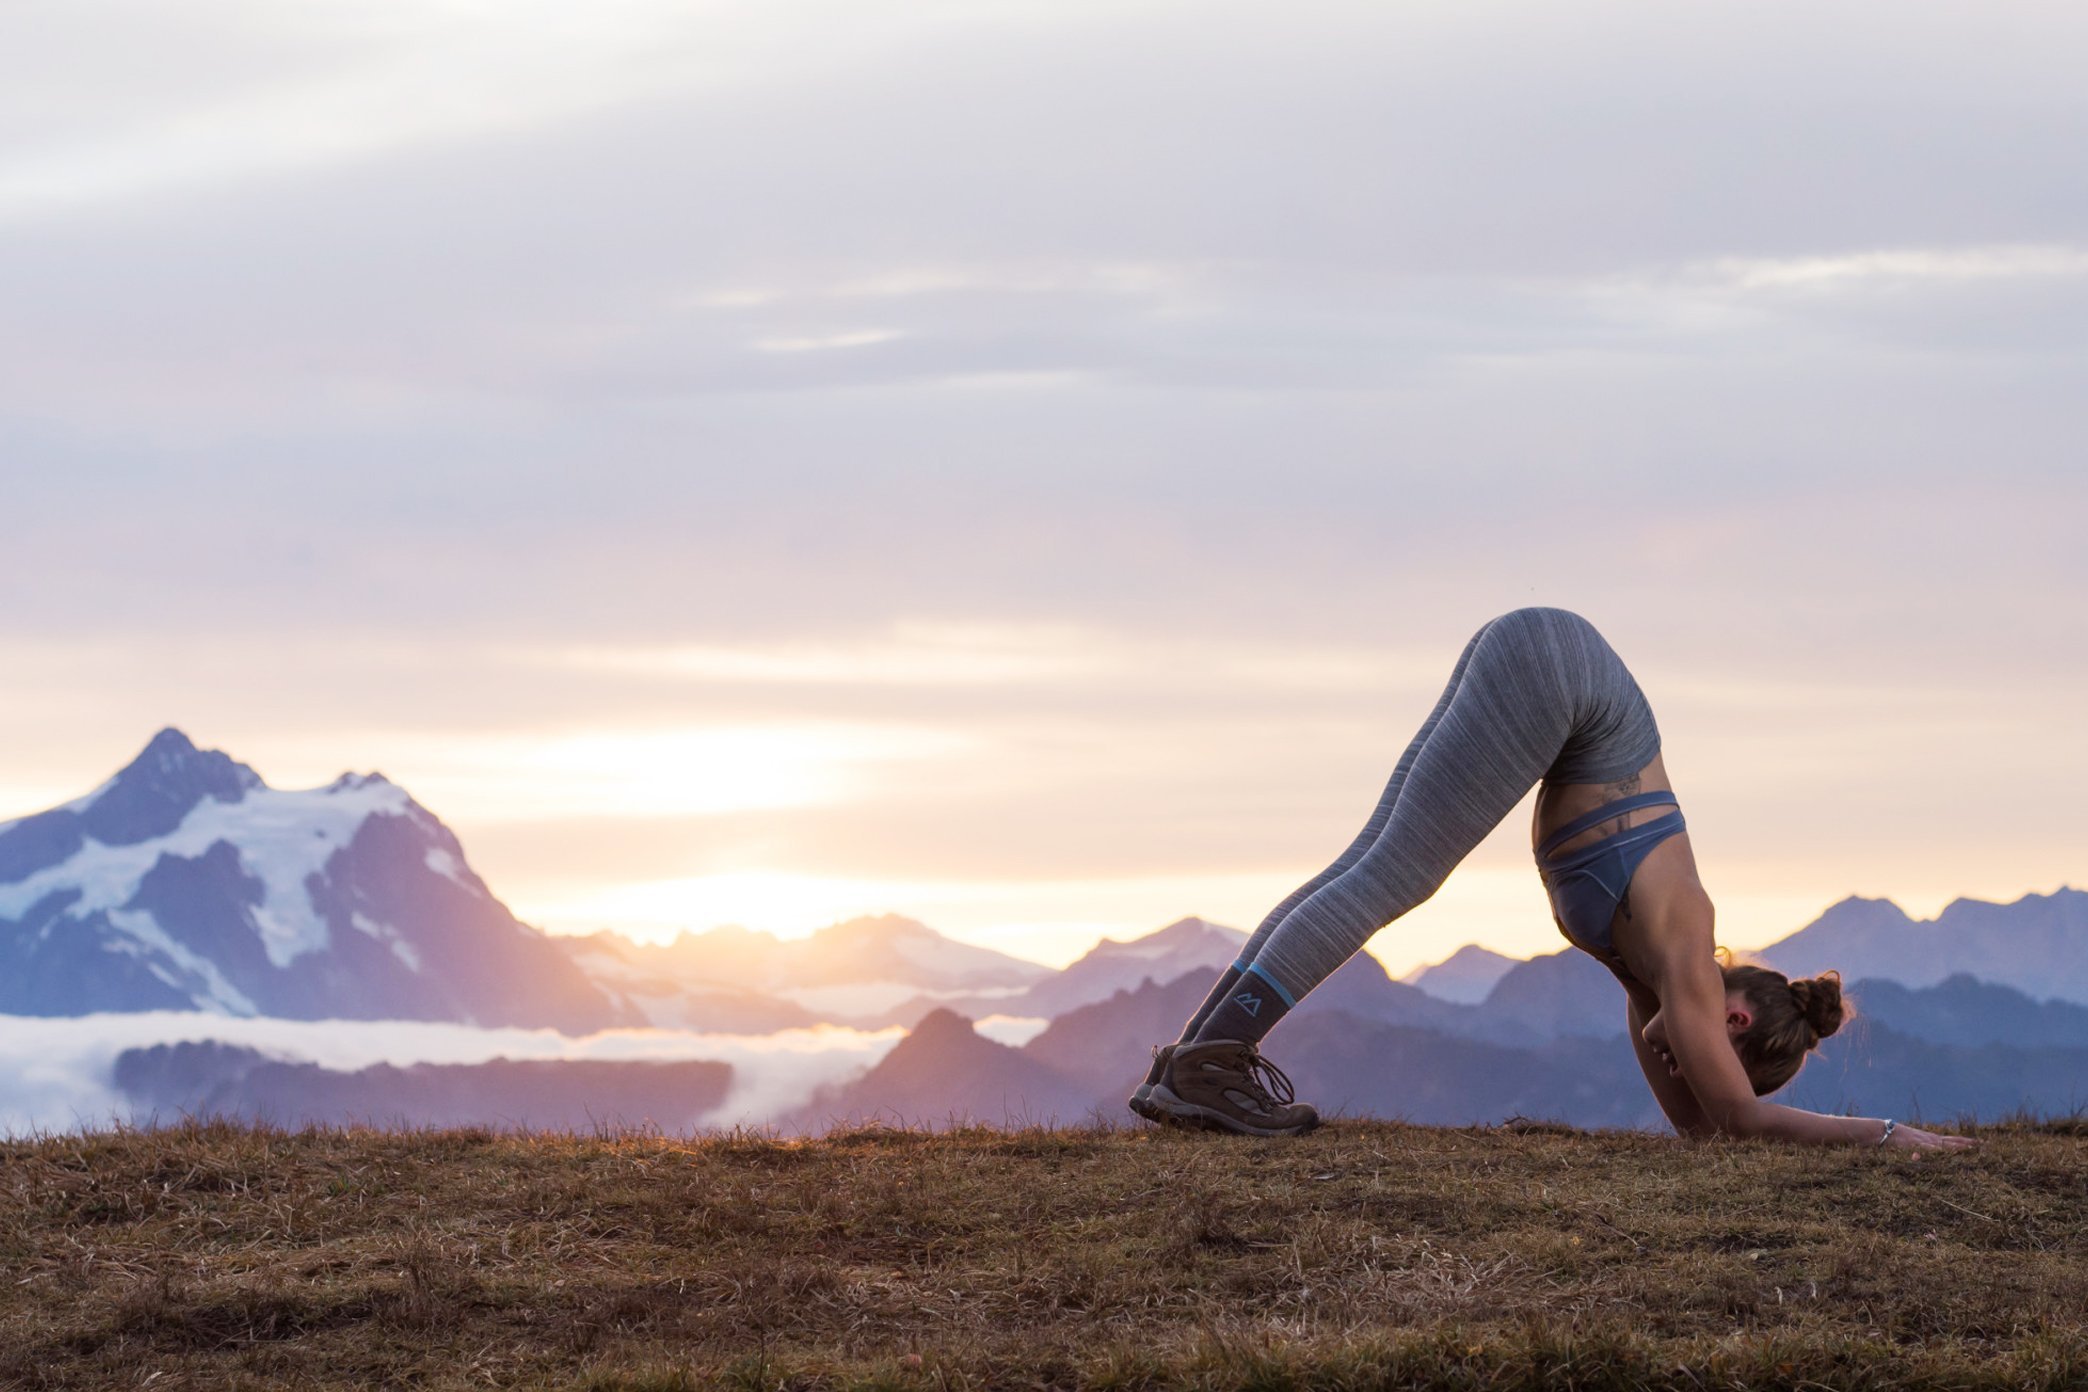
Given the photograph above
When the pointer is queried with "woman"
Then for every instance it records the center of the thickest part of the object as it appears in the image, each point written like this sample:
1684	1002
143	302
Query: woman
1537	698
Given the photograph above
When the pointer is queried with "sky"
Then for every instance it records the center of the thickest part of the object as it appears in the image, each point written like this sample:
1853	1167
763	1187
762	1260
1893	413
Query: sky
1030	466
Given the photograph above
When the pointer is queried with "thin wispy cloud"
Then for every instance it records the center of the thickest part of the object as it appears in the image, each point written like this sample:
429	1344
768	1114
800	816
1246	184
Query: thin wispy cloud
847	338
1902	266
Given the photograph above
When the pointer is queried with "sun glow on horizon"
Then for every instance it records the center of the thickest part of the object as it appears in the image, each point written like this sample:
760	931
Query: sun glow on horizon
1051	923
1500	908
692	771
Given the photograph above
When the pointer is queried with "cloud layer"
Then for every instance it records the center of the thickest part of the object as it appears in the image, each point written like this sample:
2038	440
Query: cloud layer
1123	411
60	1077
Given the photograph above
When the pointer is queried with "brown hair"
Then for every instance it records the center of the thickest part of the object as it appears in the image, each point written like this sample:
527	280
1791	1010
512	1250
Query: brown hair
1790	1020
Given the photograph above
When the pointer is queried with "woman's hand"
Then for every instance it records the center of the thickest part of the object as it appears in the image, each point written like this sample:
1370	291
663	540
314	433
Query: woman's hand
1914	1138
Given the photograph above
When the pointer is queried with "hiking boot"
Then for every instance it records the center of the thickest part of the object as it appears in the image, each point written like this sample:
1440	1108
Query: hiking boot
1226	1083
1140	1102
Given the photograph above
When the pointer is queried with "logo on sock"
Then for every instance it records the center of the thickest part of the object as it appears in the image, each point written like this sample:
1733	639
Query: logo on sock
1250	1004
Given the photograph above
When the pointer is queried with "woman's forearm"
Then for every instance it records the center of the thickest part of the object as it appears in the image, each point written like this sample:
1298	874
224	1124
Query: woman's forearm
1675	1099
1774	1121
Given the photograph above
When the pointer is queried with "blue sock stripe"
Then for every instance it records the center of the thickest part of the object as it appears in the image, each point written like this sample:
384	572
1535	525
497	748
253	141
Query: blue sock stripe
1238	965
1282	994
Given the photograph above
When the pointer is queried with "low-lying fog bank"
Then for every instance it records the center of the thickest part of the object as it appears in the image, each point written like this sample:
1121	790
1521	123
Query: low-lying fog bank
60	1074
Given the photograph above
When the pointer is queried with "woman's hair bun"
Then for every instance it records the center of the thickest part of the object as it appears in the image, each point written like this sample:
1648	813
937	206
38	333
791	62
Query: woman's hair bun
1820	1002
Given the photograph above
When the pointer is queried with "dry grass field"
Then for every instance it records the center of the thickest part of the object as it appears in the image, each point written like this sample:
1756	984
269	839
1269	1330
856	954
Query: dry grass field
1369	1255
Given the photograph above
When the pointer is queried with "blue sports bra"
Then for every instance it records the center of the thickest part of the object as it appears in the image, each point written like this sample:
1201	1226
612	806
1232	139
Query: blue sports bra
1586	885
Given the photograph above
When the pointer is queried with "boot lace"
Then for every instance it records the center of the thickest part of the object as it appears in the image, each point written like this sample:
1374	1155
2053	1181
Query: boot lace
1271	1084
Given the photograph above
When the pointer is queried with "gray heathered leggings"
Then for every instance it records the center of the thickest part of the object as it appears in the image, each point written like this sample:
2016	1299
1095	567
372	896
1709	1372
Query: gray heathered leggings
1537	694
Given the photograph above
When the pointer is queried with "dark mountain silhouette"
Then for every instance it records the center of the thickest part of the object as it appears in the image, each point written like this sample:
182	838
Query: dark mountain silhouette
1872	1069
1108	1044
944	1073
1088	1060
1348	1063
1340	1062
1354	1067
215	1079
1967	1011
1464	977
188	883
2038	944
1362	988
1192	946
1559	995
1569	993
1586	1075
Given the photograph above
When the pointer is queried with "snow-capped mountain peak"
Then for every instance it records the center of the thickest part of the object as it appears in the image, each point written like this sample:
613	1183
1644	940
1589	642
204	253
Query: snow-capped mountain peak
282	840
153	792
186	882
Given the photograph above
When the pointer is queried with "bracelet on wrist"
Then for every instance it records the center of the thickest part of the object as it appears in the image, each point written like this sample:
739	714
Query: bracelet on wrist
1886	1134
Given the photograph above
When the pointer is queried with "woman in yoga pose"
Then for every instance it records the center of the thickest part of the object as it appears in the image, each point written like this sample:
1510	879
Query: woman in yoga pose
1537	698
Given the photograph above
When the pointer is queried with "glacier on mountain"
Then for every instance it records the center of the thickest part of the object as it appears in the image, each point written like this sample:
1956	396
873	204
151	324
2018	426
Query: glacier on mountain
187	883
283	840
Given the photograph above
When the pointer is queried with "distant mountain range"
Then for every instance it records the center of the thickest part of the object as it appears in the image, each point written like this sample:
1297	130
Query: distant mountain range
1465	976
1186	945
187	883
1958	1049
1345	1062
2038	944
853	973
1961	1048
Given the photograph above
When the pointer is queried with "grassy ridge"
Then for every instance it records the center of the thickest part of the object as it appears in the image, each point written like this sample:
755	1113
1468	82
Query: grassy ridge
1369	1254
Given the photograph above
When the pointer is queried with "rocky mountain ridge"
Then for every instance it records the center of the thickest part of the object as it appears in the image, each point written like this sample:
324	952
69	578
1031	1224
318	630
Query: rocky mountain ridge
2037	944
187	883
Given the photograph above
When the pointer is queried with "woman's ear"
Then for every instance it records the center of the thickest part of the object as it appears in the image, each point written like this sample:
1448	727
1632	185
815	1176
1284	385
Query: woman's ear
1739	1014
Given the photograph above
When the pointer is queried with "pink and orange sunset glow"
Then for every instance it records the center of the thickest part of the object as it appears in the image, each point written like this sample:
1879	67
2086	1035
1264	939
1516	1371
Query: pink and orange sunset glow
1030	468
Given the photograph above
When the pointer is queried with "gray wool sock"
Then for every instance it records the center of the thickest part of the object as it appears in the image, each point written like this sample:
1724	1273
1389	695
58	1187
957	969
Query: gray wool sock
1211	1002
1253	1006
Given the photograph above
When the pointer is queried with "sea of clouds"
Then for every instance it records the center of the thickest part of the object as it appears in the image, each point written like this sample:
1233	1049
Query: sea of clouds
58	1073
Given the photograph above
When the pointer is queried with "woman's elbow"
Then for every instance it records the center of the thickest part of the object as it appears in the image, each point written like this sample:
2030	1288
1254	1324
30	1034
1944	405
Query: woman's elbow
1740	1123
1736	1121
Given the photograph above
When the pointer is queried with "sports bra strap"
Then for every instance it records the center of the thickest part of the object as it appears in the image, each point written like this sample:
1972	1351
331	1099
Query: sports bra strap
1609	811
